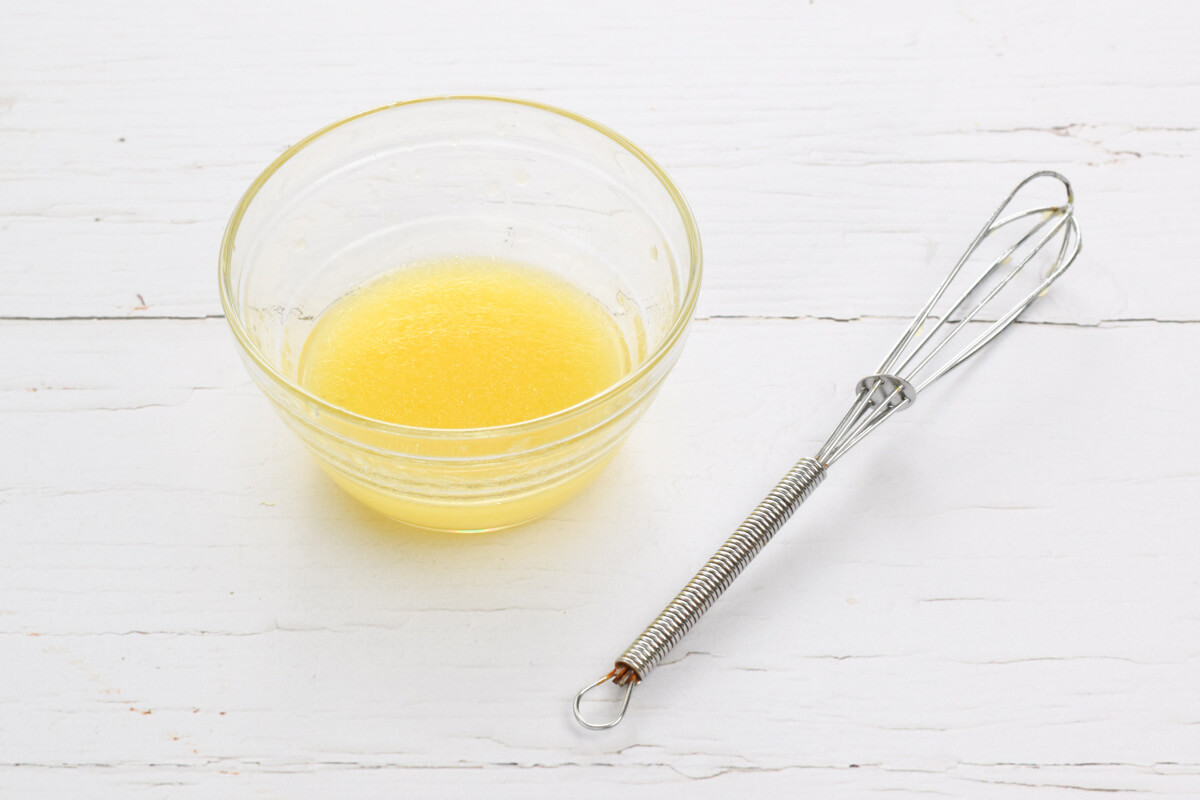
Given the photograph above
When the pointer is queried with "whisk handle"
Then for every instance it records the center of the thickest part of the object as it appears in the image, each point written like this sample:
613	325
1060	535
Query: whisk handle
720	571
702	591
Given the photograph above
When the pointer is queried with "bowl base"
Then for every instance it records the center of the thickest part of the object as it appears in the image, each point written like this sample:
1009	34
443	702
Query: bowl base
469	517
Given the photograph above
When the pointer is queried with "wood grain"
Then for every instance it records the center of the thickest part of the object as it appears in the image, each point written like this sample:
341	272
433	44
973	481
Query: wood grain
995	597
184	595
836	156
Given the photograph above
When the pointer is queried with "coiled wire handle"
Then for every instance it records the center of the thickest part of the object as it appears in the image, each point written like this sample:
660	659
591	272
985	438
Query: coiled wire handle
709	583
724	566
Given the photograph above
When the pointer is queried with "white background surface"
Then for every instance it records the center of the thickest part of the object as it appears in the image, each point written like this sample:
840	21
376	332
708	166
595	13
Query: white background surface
994	597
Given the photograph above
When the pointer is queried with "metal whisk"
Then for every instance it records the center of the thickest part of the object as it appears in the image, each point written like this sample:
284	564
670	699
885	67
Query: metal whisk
911	366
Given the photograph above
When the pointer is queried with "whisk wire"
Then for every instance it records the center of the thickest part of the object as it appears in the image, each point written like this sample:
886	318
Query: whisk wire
907	371
1067	253
900	360
959	323
898	398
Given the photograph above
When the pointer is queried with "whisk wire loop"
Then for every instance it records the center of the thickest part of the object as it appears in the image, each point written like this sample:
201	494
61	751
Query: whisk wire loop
918	346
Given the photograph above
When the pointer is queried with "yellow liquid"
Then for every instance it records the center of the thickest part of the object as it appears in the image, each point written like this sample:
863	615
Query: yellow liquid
463	343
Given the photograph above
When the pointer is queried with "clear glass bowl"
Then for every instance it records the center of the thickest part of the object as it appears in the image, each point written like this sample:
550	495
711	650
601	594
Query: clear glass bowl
461	176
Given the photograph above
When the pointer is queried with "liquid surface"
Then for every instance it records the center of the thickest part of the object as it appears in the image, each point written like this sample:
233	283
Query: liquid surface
463	343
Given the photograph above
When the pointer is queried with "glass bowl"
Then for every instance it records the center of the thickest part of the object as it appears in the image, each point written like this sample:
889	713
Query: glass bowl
461	177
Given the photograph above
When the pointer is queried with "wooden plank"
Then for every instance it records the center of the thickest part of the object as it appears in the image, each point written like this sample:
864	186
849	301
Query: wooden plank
996	592
994	598
250	779
836	168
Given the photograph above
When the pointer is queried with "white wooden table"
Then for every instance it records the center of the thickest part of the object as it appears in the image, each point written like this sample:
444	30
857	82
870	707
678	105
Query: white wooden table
997	596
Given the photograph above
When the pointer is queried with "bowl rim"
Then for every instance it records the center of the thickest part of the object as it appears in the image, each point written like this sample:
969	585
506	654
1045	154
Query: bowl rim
678	326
